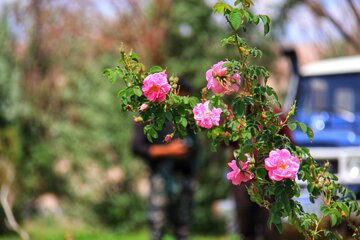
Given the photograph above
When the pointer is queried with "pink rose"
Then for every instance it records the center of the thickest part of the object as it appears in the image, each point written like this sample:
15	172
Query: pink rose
237	175
205	117
281	164
219	82
156	87
143	107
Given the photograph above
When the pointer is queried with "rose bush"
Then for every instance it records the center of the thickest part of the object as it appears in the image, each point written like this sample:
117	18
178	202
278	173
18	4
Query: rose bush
246	118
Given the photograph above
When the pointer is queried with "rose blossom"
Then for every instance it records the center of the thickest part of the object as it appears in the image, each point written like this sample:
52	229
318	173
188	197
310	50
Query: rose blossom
281	164
237	175
229	83
156	87
143	107
205	117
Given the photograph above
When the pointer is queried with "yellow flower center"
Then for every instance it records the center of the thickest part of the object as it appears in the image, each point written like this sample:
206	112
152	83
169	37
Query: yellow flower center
283	165
155	88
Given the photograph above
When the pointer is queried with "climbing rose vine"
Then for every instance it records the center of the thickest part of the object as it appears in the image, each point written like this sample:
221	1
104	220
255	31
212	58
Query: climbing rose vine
239	110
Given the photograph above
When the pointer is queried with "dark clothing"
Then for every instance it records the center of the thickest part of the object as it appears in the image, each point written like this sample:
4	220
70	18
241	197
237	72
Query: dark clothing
172	185
167	210
252	219
141	145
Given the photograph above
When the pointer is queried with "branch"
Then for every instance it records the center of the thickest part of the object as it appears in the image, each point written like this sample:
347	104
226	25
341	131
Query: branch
319	10
356	12
9	214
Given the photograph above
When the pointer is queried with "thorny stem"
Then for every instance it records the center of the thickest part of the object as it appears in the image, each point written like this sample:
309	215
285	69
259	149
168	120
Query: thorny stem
316	231
236	34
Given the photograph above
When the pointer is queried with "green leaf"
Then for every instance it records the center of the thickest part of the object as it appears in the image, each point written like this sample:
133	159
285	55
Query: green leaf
333	218
237	2
266	20
292	110
183	122
248	15
310	134
156	69
305	129
176	99
109	73
216	99
302	127
235	19
120	72
150	132
121	93
168	116
345	208
231	40
249	100
260	172
256	19
129	92
138	91
292	126
269	91
213	146
266	28
134	56
330	235
239	108
221	7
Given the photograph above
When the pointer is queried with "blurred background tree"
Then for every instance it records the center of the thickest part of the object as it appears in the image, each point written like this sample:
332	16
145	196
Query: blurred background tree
10	110
334	26
74	159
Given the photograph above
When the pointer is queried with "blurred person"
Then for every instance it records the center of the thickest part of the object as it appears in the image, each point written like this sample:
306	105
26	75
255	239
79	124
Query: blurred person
172	178
251	218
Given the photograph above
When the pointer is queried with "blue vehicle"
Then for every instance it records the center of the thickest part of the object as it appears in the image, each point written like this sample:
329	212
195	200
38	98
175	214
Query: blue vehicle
327	95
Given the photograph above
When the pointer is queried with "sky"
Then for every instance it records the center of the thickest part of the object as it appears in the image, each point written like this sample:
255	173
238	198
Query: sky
301	27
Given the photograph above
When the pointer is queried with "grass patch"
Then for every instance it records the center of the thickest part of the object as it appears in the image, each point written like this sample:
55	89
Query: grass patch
49	229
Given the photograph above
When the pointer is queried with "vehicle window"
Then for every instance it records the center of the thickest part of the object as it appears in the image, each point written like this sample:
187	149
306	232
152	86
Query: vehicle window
317	96
336	94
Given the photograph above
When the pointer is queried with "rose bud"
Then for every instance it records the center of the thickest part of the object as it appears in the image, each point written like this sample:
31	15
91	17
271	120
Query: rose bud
143	107
138	119
168	138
